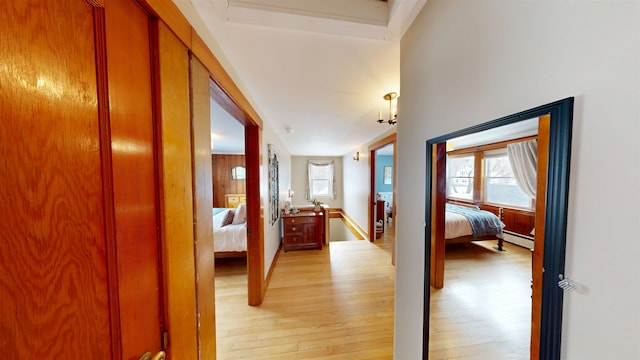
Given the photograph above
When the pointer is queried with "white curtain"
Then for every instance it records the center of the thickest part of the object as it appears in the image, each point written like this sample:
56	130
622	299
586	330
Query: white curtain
332	180
523	157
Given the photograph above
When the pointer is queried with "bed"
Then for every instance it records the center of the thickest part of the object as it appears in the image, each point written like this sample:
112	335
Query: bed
466	223
230	232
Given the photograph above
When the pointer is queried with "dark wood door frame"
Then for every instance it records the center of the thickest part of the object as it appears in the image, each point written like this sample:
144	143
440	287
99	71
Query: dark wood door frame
560	130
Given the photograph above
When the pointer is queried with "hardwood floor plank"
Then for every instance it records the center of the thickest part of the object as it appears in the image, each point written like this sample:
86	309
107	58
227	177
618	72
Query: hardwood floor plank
484	310
335	303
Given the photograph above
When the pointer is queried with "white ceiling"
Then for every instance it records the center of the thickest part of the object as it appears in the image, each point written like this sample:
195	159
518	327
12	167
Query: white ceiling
515	130
317	67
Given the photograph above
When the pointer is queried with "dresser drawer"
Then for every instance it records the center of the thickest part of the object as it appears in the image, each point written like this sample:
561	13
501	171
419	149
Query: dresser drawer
299	220
296	228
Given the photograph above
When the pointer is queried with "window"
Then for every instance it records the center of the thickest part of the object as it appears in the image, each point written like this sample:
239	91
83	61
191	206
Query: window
460	177
320	179
500	186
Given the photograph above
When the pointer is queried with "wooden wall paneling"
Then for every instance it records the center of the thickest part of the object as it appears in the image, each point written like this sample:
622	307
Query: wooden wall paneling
176	173
255	216
544	127
134	175
54	293
222	182
515	220
203	196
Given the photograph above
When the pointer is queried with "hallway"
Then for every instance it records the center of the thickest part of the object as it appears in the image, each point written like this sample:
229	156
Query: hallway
335	303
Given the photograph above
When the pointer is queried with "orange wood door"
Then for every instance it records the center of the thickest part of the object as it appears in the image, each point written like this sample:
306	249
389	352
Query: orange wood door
79	255
53	281
135	190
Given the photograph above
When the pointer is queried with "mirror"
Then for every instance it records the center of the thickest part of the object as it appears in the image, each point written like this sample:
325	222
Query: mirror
550	234
238	173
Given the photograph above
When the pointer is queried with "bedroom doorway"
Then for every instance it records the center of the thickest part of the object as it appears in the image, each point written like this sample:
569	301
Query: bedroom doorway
239	138
551	214
382	172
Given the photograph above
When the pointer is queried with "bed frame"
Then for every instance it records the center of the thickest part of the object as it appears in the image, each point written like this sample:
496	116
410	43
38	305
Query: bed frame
469	238
229	254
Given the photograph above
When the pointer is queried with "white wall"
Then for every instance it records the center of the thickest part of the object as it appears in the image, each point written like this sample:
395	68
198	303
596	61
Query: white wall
357	181
299	177
468	62
357	187
272	233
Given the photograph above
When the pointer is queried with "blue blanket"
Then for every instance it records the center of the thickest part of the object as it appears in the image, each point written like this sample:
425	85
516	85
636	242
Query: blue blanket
218	210
482	222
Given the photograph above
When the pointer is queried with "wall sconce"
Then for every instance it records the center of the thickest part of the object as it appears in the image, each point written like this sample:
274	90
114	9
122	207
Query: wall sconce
356	156
393	117
290	193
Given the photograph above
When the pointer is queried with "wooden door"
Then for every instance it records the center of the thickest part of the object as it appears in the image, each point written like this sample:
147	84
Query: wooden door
54	292
78	191
134	174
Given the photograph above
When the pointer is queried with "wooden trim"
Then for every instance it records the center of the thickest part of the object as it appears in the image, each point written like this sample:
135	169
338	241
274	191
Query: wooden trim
202	200
222	79
372	196
492	146
384	141
177	197
391	139
96	3
111	244
169	13
439	196
355	229
538	243
255	216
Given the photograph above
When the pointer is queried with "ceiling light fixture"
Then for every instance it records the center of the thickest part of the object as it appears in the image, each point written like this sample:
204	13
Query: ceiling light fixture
393	116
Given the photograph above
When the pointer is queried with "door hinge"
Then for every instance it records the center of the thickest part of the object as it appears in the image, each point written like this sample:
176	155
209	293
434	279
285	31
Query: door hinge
165	340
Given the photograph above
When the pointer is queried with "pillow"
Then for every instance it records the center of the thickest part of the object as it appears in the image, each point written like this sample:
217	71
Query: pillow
240	216
228	218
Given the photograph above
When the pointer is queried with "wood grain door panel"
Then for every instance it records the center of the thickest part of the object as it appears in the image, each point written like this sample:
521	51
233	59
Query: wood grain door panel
53	278
79	254
134	176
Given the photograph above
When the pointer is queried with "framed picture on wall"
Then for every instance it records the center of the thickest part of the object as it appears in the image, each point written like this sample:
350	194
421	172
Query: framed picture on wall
387	175
274	183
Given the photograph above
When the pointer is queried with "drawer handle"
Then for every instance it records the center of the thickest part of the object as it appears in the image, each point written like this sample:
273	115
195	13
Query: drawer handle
294	228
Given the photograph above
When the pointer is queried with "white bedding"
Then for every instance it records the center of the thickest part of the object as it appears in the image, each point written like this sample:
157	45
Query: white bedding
229	237
456	225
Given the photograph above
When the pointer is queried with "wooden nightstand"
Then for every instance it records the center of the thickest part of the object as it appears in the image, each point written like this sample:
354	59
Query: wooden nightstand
303	230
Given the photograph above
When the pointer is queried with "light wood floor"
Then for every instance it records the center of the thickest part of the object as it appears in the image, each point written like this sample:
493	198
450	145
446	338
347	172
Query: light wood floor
484	309
335	303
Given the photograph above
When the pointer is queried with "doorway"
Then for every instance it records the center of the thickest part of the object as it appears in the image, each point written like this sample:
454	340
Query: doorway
549	250
388	207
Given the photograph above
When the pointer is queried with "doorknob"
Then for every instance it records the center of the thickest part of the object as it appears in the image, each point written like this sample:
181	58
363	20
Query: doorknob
148	356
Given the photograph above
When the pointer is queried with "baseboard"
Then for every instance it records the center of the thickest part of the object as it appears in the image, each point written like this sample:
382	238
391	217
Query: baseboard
267	280
517	239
